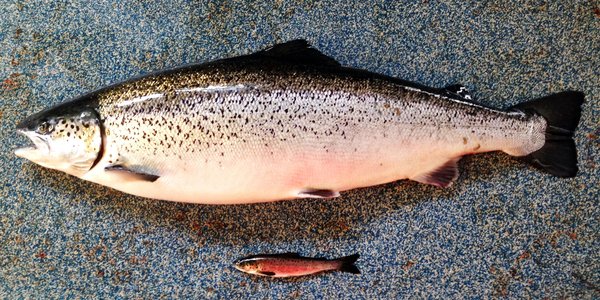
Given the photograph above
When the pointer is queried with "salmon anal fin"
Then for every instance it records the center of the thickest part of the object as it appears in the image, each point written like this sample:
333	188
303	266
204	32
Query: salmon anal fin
442	176
318	193
135	174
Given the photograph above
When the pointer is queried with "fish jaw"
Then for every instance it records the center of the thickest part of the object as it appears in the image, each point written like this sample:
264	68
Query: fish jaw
29	153
37	151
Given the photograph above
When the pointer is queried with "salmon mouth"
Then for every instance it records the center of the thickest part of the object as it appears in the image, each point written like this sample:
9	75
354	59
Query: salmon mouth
37	145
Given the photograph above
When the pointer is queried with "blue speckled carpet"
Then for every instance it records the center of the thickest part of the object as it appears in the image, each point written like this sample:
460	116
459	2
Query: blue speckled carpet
504	229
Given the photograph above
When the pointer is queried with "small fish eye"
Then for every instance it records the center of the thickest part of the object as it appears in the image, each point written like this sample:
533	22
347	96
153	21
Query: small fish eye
44	128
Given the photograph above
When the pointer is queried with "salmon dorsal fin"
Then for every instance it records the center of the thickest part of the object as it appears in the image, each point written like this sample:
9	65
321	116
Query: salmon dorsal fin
298	52
442	176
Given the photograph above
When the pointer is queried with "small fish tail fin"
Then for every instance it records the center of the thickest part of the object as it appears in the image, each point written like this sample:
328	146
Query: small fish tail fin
562	112
347	264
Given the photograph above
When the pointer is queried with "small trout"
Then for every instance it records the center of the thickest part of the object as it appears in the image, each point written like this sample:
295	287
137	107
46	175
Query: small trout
287	122
292	265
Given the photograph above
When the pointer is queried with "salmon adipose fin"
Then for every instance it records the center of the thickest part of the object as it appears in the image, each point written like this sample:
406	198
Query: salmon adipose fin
562	111
347	264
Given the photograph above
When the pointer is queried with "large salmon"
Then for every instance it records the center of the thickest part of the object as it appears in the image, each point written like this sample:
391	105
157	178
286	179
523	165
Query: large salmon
287	122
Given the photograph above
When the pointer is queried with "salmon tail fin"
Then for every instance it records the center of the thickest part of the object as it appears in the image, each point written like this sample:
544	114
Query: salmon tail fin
562	112
347	264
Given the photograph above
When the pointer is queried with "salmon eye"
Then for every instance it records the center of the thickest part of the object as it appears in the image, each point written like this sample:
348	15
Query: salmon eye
44	128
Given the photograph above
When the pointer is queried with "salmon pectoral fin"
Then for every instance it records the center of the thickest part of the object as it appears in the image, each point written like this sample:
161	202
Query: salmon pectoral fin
442	176
131	173
318	193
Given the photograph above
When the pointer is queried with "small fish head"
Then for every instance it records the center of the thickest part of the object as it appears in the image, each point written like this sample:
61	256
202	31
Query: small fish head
65	140
250	266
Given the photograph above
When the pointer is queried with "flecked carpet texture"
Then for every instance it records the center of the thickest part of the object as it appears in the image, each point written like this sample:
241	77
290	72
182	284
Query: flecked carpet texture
502	230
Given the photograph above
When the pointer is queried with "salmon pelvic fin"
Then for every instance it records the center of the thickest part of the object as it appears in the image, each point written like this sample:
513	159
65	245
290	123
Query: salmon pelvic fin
318	193
562	111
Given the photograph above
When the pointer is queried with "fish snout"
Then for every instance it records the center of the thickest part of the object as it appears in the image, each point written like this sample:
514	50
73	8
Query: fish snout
237	264
36	149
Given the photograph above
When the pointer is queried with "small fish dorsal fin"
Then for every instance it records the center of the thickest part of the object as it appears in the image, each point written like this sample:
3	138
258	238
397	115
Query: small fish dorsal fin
298	52
277	255
458	91
289	254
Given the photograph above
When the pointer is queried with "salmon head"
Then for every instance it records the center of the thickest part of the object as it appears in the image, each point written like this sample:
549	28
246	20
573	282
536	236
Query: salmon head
68	139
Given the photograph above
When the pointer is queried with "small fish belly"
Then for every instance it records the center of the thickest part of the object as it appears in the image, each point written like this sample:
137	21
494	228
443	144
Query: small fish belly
293	268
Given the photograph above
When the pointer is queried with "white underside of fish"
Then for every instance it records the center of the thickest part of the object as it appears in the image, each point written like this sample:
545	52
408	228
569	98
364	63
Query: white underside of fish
278	177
